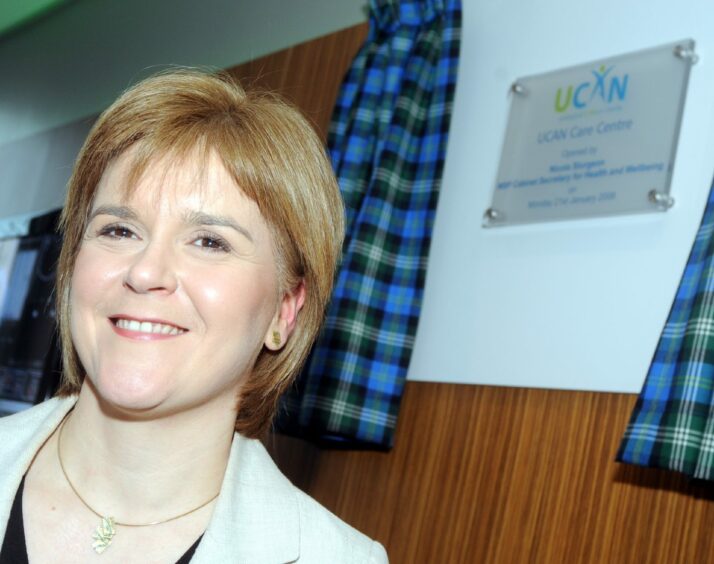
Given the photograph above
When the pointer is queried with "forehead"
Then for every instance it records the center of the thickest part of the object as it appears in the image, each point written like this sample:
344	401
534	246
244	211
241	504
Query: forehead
170	182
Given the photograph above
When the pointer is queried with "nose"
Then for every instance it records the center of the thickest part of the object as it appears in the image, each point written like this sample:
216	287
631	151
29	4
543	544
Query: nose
152	270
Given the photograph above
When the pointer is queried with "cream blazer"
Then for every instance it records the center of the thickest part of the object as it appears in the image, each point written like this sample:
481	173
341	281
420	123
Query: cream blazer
259	517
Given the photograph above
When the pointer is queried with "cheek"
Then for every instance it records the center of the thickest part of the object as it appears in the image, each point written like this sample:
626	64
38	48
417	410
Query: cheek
93	270
233	299
91	280
81	323
83	284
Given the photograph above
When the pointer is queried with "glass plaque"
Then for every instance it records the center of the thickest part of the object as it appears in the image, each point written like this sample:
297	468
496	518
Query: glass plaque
592	140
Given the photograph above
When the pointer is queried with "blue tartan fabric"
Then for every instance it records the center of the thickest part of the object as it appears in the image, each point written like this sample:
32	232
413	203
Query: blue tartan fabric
387	141
672	425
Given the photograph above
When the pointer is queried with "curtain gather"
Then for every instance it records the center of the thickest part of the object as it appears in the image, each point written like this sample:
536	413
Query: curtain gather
672	426
387	142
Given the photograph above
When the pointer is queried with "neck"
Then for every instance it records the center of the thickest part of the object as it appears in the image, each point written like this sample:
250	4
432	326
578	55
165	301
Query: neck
137	468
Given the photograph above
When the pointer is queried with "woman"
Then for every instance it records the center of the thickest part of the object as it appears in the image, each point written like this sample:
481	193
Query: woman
201	232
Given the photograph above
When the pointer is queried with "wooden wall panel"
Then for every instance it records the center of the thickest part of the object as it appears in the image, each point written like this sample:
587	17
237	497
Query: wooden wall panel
501	475
308	74
489	474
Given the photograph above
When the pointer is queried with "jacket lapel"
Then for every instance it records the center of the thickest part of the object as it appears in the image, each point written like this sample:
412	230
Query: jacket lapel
23	434
257	517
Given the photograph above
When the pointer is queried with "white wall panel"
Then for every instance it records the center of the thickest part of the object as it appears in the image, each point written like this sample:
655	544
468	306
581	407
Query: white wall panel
577	304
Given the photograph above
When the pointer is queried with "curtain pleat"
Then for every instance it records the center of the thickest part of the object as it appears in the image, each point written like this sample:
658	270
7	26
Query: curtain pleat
672	425
387	142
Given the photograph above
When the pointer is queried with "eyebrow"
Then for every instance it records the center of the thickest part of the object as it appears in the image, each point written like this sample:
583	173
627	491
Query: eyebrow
201	218
121	212
192	218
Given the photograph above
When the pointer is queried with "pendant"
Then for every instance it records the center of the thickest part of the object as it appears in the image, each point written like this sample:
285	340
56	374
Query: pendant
103	535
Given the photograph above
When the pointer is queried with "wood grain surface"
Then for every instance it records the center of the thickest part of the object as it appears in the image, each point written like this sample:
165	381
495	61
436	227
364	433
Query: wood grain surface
309	74
501	475
488	474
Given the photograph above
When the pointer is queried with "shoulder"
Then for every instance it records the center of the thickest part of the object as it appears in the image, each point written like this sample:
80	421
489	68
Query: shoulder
22	433
28	421
324	537
320	536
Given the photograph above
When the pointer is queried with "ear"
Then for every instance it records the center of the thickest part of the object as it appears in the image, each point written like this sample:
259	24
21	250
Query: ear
286	317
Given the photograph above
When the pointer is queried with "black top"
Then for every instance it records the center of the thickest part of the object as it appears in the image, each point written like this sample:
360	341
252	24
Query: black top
14	550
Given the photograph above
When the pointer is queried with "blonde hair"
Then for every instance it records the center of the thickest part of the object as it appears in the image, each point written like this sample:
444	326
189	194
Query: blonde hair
276	159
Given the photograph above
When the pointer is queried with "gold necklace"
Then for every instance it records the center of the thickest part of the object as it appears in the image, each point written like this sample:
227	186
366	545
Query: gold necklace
105	531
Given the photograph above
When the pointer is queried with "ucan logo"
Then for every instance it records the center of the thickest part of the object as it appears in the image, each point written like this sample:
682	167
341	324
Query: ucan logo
607	88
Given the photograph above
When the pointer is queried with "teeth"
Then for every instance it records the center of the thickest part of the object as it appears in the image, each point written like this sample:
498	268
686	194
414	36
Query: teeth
147	327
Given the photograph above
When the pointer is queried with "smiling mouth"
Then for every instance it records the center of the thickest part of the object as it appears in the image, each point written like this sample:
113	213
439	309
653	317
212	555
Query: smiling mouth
147	327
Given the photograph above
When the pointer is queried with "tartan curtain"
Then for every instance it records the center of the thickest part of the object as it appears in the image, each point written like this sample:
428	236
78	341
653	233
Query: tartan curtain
387	141
672	425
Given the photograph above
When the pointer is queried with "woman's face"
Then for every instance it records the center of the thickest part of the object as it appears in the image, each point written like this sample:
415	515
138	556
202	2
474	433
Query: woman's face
175	288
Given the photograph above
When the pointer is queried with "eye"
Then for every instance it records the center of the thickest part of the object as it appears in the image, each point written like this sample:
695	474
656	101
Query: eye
116	231
212	243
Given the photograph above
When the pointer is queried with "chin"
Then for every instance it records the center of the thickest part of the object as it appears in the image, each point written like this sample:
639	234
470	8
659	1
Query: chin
131	393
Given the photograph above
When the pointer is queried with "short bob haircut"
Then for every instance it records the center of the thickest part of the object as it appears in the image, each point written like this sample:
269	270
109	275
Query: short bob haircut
276	159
